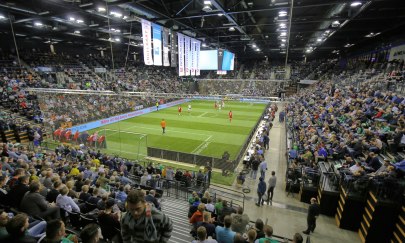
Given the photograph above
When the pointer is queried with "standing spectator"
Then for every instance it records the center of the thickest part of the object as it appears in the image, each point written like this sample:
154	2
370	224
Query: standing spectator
261	189
313	213
263	168
272	185
225	234
255	168
266	140
143	223
239	221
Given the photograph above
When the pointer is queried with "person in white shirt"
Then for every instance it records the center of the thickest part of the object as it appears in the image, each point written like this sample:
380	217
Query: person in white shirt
355	168
65	202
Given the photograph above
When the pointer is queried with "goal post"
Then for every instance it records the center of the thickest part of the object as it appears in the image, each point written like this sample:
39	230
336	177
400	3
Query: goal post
126	144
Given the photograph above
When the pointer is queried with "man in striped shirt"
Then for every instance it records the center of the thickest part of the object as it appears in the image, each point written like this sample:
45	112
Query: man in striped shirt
143	222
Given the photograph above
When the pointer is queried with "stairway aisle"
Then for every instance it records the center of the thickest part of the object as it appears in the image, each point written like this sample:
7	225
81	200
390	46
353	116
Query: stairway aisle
177	210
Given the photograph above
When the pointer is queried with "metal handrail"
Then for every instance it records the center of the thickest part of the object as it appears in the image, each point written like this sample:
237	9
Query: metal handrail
236	194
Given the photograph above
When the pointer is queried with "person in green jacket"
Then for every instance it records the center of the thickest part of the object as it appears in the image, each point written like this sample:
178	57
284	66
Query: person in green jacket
268	230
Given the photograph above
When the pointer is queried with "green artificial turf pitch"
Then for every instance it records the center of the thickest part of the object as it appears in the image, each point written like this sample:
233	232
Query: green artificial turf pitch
204	131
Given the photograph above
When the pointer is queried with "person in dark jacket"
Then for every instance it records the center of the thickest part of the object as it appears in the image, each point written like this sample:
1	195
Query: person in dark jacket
16	194
35	204
261	189
17	229
313	213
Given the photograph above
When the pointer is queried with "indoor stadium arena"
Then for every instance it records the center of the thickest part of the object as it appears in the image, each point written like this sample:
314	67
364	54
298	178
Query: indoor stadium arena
202	121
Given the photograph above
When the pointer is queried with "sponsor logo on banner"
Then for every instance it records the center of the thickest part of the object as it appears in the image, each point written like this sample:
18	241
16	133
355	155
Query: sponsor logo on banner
187	55
173	48
397	53
147	42
181	54
192	54
197	57
166	62
157	45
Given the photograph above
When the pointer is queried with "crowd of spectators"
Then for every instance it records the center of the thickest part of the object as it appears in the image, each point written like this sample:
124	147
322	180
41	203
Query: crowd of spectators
354	126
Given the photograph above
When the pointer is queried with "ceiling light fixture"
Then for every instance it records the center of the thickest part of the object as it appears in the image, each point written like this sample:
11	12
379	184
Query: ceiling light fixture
355	4
372	34
319	40
283	25
257	49
283	33
254	46
283	40
72	19
38	24
204	45
220	14
77	32
282	13
117	39
349	45
101	9
335	24
79	21
207	2
231	28
2	17
282	45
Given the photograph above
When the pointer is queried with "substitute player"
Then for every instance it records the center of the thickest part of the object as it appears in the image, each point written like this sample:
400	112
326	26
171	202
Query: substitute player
230	116
163	125
179	110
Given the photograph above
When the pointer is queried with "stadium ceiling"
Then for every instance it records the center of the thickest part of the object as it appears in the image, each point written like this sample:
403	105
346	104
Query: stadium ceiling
250	28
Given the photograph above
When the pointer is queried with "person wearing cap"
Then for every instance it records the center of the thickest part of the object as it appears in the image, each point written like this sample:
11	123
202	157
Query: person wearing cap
313	213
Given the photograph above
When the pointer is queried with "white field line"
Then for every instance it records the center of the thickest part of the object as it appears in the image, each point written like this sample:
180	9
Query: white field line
202	114
202	146
149	128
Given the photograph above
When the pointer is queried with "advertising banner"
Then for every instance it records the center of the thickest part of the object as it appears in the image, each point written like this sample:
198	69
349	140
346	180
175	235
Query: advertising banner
166	62
181	54
192	57
157	45
147	42
173	48
397	53
187	55
197	56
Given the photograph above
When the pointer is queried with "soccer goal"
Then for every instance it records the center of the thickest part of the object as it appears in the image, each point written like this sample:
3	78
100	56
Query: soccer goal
130	145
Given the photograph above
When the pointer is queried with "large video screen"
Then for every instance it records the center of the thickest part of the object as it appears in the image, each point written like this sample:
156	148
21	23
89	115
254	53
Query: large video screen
209	60
228	61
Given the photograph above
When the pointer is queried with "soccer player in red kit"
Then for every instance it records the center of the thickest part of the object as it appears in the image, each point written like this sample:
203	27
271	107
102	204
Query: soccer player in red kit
230	116
179	110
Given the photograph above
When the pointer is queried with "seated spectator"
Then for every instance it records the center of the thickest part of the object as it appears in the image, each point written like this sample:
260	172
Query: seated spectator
209	206
16	194
17	229
251	236
3	192
202	236
90	234
208	224
54	192
152	199
192	198
226	210
239	221
85	195
268	230
34	203
198	215
94	199
218	206
65	202
55	233
239	238
259	229
298	238
225	234
109	221
121	195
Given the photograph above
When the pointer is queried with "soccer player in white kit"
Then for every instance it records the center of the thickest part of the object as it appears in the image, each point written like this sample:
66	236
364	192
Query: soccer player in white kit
189	108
